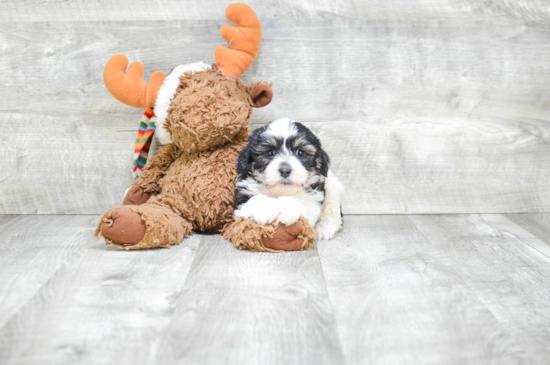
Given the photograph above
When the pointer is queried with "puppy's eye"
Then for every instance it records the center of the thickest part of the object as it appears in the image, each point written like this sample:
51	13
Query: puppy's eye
270	153
300	153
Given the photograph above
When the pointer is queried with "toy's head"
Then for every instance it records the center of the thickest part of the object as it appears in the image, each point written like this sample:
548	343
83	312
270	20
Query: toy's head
199	106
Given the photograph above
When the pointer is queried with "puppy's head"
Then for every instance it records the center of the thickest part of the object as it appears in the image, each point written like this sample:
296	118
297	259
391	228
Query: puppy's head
284	157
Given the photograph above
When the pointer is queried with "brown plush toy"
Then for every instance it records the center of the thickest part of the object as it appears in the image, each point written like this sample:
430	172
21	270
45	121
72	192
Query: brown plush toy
202	114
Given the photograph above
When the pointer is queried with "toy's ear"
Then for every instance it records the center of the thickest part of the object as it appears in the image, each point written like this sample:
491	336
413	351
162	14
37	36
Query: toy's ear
261	94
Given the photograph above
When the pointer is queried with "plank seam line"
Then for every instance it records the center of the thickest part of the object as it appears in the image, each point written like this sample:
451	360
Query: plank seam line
519	239
528	231
330	303
163	335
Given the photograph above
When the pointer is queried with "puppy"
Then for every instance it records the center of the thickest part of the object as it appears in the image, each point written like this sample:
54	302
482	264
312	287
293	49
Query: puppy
283	174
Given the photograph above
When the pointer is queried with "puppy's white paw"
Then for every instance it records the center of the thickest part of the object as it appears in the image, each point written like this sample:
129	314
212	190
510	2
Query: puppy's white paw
325	231
260	208
262	217
290	210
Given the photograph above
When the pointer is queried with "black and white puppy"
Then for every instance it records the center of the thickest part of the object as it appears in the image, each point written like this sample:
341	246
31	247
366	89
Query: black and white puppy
283	174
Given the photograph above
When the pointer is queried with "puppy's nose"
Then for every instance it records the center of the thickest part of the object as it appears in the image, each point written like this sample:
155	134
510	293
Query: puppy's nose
285	169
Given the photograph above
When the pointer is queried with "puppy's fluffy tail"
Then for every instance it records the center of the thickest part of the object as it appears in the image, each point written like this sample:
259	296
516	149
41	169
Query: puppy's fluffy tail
330	220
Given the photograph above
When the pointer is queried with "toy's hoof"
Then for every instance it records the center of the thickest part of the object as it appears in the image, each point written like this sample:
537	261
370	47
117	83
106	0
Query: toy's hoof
136	196
124	227
286	238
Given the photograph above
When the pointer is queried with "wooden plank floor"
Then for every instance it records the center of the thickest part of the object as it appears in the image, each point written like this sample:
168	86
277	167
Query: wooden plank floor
390	289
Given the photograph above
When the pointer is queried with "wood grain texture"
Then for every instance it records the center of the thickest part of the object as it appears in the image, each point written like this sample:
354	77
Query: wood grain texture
405	165
426	165
397	299
500	262
34	249
68	299
347	69
523	231
533	10
536	224
433	289
242	307
452	65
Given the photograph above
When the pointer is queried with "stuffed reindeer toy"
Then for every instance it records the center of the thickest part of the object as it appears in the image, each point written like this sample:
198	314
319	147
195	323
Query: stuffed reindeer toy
202	113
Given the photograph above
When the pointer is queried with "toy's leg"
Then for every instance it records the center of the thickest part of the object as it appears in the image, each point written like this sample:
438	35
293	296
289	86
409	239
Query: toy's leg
150	225
247	234
136	196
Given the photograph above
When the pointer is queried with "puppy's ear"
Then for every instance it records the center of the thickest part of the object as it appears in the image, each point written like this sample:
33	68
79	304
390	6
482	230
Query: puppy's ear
245	160
323	163
261	93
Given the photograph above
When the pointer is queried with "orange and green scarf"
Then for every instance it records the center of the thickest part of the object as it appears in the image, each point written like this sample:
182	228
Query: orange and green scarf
147	127
144	138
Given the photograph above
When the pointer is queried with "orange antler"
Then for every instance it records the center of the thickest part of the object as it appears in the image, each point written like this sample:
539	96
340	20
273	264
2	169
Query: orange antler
245	40
129	87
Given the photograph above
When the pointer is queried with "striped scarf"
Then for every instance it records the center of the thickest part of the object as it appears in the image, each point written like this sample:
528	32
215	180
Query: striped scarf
144	138
147	127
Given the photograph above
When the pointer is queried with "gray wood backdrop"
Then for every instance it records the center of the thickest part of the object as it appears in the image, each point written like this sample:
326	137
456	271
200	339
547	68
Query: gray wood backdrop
425	106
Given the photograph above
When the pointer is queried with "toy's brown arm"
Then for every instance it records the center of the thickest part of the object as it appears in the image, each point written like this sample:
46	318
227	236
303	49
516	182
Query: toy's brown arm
155	169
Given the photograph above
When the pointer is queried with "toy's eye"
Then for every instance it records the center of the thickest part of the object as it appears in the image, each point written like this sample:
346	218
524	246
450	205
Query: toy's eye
300	153
270	153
